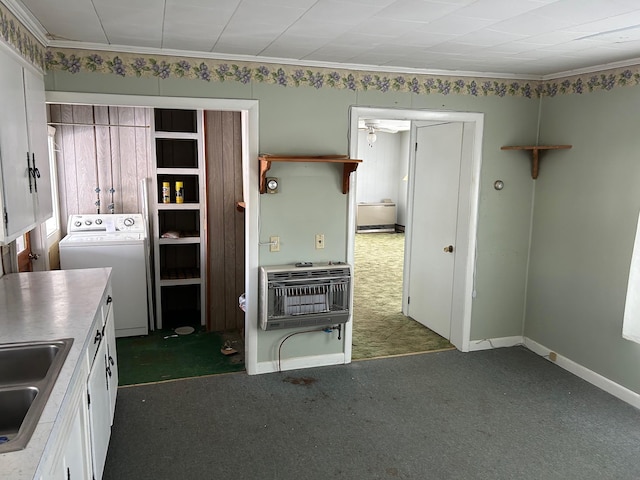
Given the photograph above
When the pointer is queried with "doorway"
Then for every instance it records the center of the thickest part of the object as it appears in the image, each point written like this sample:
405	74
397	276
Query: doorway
380	327
466	195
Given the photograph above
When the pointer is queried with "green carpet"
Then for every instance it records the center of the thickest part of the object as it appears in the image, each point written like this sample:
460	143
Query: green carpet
379	327
162	356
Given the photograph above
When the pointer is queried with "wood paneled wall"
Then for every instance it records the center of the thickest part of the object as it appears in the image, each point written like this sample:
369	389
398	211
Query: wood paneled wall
225	224
91	156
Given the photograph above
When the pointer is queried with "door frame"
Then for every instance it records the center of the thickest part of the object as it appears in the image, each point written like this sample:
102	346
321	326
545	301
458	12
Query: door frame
250	175
469	193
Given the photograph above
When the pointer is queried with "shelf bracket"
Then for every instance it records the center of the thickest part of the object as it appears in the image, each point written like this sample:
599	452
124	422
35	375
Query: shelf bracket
535	154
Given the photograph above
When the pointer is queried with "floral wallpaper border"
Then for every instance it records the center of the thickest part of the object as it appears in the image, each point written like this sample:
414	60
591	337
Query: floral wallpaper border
16	35
208	70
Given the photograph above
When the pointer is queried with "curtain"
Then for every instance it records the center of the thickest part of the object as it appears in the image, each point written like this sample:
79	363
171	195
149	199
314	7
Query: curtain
631	321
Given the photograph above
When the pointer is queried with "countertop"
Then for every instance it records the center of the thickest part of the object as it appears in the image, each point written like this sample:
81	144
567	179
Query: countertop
48	306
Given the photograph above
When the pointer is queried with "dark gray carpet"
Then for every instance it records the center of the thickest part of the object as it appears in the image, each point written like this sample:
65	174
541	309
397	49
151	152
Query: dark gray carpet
500	414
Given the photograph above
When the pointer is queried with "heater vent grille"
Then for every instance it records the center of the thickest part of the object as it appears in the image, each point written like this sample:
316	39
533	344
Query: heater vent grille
304	296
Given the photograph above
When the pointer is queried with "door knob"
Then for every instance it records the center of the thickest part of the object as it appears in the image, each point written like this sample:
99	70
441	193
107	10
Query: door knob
33	256
448	249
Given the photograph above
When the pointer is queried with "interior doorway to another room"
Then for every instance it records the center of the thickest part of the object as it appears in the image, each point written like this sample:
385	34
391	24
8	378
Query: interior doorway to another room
397	166
380	327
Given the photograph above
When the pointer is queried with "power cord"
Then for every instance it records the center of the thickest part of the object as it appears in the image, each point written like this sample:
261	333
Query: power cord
325	330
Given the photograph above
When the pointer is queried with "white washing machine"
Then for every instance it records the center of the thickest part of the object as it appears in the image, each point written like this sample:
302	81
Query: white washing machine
118	241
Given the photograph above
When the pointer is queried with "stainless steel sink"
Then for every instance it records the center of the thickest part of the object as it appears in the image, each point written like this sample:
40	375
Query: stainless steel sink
28	372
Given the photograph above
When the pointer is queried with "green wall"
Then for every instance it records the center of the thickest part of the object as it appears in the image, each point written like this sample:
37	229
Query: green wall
586	207
305	120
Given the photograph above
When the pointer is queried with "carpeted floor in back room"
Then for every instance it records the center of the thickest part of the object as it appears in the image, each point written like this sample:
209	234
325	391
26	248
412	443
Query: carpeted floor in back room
379	327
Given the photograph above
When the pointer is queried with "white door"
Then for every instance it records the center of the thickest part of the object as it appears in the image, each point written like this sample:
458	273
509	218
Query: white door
18	199
112	362
38	144
432	249
99	410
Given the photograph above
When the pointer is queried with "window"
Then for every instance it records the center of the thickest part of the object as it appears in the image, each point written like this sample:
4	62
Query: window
53	224
631	322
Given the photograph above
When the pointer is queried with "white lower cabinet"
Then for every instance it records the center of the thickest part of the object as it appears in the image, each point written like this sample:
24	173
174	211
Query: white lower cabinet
71	457
99	410
80	450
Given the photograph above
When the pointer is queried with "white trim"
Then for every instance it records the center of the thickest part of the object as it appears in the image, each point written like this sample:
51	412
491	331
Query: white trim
297	363
594	69
491	343
461	327
249	112
609	386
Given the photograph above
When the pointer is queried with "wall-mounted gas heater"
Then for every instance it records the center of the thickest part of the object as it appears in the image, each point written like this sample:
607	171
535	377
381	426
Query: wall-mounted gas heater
304	296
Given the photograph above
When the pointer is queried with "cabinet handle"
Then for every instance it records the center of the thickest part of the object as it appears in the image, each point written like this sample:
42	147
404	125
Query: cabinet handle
68	473
98	337
36	173
111	361
30	170
109	299
108	370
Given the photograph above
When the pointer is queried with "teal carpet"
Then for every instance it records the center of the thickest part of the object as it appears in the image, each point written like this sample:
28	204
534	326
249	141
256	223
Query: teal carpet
163	355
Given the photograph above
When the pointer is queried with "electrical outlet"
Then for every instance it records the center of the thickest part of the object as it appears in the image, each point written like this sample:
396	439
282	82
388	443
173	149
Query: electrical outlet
319	241
275	244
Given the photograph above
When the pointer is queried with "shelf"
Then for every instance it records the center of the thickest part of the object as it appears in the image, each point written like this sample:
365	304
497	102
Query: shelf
179	263
179	206
181	240
180	281
535	153
177	135
349	165
177	171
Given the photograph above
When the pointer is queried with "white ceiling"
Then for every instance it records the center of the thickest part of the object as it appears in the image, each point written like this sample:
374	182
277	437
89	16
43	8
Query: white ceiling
523	38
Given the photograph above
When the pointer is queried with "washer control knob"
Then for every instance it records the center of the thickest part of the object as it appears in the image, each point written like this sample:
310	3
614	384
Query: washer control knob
77	223
98	221
87	222
128	222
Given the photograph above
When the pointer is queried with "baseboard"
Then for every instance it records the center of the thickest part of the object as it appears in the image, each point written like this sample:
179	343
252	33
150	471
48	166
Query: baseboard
609	386
300	362
500	342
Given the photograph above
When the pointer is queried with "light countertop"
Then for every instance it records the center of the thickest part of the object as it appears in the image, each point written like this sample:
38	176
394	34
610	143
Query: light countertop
48	306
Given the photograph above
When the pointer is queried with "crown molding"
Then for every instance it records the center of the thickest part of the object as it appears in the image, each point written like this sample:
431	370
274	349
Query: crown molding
594	69
30	22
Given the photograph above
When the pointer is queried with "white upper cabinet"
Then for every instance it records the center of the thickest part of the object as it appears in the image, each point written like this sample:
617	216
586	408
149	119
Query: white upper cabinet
38	143
24	160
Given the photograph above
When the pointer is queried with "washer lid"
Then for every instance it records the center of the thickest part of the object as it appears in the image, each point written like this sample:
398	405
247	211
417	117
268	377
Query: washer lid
112	238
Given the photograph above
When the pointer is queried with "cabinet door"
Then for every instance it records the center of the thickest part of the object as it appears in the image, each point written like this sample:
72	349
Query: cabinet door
112	362
75	460
99	410
38	143
17	199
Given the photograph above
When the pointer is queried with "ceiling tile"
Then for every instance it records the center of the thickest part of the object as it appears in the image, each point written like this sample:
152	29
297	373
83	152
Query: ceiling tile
83	25
419	11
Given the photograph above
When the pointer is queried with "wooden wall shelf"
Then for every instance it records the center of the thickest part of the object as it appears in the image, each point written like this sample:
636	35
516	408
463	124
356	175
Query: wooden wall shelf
535	152
349	165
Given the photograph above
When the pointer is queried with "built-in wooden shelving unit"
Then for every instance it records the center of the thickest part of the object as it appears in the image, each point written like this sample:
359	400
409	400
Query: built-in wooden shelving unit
535	152
349	165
